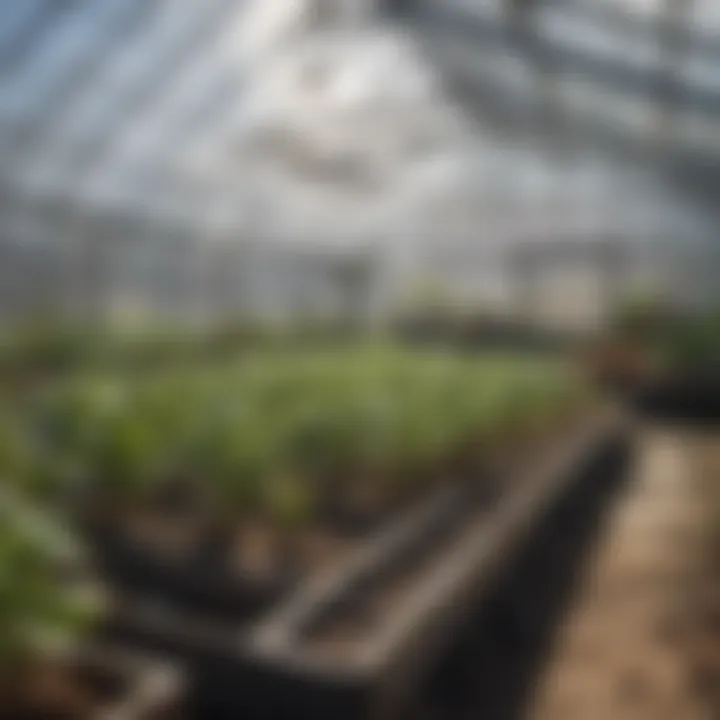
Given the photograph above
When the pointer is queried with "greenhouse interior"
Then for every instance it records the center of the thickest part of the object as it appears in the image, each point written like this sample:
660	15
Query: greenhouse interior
359	359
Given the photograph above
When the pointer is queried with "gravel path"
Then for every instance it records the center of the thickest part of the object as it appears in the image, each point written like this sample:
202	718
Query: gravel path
642	638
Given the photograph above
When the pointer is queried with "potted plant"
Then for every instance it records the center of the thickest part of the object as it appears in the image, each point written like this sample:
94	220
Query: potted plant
626	356
49	664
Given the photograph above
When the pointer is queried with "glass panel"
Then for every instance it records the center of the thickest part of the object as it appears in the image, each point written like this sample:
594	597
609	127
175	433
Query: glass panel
15	17
136	78
69	48
186	100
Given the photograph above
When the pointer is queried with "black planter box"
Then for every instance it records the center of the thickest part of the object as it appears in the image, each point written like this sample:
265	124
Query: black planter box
680	397
275	668
186	584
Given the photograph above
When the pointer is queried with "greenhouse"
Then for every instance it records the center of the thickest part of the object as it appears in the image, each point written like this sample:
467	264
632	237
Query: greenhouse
359	359
153	159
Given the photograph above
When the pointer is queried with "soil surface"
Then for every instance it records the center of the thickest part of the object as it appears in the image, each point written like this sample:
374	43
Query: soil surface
614	614
642	639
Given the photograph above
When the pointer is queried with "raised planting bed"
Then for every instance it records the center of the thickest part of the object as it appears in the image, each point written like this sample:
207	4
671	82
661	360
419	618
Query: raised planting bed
354	641
216	491
667	365
149	623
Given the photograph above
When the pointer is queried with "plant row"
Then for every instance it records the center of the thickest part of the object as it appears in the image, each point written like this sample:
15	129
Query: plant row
273	433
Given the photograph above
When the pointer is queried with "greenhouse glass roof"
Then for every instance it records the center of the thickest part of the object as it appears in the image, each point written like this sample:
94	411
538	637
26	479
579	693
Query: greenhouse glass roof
108	101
